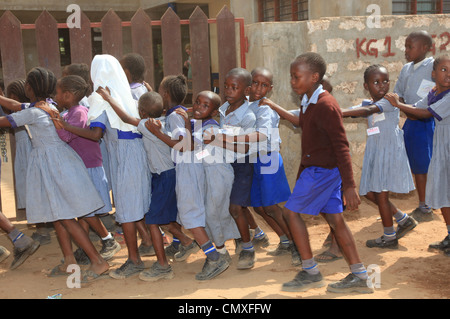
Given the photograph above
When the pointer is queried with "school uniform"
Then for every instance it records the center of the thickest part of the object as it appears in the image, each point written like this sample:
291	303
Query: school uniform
163	207
385	165
269	184
239	122
413	84
130	174
190	176
219	178
90	153
325	164
137	89
438	181
58	184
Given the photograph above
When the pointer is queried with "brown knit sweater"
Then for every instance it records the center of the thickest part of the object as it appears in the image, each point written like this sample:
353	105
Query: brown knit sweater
324	142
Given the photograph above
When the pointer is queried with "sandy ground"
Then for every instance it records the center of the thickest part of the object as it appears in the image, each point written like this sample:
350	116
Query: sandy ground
410	272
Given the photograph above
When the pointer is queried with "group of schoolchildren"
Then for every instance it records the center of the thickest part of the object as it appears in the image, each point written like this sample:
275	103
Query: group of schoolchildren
174	169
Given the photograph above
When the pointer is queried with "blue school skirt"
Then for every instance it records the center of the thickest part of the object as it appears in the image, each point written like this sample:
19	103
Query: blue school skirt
163	207
418	136
318	190
242	184
270	185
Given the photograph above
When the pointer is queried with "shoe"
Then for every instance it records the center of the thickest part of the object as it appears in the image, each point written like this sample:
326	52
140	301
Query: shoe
4	253
351	283
282	249
185	251
261	241
20	255
372	243
157	272
303	282
407	226
419	215
171	251
246	259
109	248
440	245
42	239
212	268
81	257
146	250
226	256
128	269
237	246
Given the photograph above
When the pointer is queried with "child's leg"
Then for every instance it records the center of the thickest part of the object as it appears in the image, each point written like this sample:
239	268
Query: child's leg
98	264
299	233
65	243
144	233
95	223
238	214
130	235
158	243
276	213
175	229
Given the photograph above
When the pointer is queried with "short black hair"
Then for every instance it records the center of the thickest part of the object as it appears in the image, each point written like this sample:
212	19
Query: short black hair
371	69
17	87
80	69
439	59
74	84
241	73
422	36
134	63
176	87
263	70
151	104
315	62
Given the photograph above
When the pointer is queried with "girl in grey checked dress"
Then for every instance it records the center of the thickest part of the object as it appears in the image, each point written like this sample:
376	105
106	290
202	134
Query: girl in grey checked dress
59	188
385	165
437	105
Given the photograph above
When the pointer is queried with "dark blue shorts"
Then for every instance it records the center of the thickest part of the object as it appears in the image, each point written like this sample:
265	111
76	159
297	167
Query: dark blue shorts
418	136
318	190
163	206
242	184
270	185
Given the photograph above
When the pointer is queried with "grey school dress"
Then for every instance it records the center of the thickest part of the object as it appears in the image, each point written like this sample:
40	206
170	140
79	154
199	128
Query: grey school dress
130	173
58	184
438	179
23	149
385	165
219	177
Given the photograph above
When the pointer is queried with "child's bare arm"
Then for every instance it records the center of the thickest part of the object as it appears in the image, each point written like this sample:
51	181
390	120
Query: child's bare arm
284	114
95	133
125	117
361	111
180	144
10	104
411	111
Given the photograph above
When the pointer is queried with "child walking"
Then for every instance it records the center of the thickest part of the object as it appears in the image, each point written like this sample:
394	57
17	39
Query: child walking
436	105
385	167
324	167
190	179
130	175
69	92
56	192
413	84
269	186
163	209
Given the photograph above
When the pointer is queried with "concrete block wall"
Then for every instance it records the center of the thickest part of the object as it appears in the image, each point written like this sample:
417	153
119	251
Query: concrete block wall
349	45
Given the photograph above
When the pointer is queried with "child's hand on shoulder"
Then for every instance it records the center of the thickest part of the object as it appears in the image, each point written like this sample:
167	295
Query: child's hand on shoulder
208	136
148	86
105	93
154	126
183	113
268	102
393	98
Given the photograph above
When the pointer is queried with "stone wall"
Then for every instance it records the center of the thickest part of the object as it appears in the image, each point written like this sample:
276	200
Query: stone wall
348	45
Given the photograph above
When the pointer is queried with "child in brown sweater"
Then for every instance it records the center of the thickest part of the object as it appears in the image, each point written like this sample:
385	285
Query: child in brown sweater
325	168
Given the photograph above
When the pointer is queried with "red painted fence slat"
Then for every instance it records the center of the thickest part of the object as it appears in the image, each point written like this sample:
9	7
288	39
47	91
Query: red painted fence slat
81	42
112	34
47	43
171	43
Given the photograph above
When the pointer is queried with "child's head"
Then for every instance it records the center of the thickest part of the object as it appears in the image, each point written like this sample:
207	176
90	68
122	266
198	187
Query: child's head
150	105
417	45
173	89
441	72
376	81
262	83
307	71
70	90
16	91
134	66
237	85
80	69
206	105
40	84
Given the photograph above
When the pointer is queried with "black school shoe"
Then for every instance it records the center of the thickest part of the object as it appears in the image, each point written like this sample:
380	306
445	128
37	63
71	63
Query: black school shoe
20	255
351	283
390	244
212	268
440	245
303	282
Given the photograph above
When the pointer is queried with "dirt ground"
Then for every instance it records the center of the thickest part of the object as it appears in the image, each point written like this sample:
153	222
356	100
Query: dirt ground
410	272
